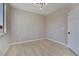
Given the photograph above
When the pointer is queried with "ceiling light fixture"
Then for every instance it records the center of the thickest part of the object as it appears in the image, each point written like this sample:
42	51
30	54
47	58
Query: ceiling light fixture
40	5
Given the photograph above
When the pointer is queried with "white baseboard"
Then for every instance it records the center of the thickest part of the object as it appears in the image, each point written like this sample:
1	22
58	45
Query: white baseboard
5	51
57	41
63	45
26	41
76	54
38	39
35	40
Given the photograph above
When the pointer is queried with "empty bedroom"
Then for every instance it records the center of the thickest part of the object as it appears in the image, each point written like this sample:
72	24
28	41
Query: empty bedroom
39	29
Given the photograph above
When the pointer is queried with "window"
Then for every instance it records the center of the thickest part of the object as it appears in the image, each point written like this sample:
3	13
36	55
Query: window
2	18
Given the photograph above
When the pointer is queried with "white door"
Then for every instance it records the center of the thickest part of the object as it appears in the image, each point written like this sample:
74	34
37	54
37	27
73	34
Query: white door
73	28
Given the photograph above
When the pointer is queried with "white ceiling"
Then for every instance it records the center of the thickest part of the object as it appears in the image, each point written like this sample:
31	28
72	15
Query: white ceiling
51	7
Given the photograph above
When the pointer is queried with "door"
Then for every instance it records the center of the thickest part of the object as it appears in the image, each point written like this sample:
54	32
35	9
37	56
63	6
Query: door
73	30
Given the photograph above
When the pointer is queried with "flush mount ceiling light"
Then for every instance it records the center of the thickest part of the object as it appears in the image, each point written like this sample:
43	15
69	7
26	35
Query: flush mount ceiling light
40	5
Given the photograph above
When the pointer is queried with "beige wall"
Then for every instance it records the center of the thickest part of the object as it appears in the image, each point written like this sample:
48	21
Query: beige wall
57	25
26	26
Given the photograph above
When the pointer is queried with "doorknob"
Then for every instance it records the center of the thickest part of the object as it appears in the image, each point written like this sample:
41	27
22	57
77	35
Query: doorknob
68	32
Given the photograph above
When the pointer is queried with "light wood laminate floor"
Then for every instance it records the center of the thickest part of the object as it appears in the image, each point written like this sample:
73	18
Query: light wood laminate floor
39	48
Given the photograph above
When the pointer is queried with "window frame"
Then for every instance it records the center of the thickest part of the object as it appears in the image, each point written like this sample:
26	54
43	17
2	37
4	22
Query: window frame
4	19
